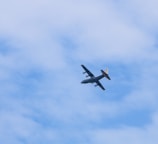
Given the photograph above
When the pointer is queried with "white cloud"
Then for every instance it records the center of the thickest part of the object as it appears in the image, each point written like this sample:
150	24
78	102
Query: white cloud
100	32
124	135
23	25
104	33
143	13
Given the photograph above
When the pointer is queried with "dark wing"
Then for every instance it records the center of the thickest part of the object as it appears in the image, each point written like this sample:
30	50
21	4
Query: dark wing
87	71
100	85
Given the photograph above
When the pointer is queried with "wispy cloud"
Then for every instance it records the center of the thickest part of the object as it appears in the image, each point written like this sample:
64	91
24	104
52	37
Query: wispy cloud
43	43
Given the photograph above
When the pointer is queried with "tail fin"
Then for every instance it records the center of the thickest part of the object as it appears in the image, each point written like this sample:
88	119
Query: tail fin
105	73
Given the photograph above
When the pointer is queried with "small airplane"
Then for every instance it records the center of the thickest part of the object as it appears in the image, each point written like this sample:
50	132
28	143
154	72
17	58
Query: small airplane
94	79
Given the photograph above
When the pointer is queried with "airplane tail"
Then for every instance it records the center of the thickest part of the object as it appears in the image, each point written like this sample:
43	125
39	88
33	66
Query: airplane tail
105	73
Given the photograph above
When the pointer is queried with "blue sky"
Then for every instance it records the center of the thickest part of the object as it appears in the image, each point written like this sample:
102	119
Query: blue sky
42	45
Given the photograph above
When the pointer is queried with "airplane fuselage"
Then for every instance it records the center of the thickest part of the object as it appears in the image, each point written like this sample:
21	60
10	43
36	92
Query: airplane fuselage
92	79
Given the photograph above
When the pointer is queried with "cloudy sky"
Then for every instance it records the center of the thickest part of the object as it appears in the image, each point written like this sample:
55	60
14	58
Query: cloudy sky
42	45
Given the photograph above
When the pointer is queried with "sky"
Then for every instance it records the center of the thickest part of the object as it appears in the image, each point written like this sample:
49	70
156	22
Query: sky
42	45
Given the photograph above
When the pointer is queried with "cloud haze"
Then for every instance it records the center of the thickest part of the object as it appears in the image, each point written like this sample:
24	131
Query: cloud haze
43	43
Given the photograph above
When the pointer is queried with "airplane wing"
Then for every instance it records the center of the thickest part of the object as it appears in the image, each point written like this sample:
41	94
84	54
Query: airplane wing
100	85
87	71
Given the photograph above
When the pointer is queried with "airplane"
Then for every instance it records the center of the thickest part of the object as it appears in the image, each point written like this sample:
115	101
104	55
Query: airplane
95	79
